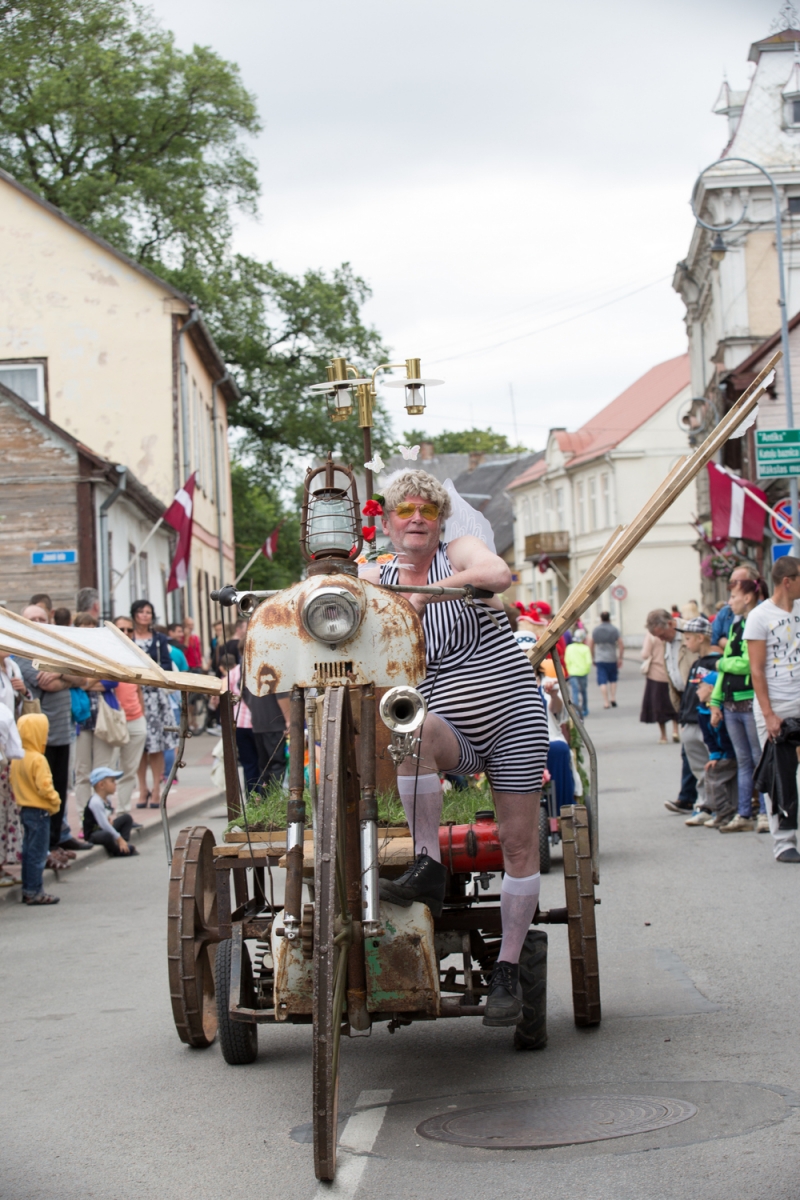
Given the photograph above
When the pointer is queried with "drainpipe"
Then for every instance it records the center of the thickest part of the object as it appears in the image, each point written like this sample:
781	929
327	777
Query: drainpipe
194	317
105	564
219	382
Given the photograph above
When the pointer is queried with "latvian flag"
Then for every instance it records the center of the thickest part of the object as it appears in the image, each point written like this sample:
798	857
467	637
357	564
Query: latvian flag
733	513
271	544
179	516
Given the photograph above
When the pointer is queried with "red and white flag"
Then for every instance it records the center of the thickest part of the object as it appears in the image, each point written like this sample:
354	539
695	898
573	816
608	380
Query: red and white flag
179	516
271	544
734	514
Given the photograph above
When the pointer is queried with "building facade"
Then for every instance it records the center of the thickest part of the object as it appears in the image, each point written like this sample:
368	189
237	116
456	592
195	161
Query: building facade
568	504
120	360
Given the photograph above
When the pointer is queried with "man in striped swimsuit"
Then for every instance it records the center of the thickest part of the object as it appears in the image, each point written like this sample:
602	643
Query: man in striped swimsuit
484	714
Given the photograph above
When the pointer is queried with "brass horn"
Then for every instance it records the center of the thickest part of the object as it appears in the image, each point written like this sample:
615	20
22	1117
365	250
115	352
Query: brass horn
403	709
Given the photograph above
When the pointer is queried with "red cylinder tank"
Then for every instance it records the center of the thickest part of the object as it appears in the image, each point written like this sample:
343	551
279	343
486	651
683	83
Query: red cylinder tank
471	848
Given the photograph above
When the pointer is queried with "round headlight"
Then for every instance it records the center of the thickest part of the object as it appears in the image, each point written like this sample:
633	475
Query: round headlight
331	615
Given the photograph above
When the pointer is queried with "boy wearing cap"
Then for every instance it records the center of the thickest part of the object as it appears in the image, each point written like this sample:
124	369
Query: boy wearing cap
578	658
98	827
721	790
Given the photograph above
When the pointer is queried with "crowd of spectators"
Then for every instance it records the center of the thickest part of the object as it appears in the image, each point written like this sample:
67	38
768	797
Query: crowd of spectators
730	688
54	738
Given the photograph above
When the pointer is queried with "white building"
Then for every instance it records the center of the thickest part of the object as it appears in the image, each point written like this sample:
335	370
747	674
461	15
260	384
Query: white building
567	505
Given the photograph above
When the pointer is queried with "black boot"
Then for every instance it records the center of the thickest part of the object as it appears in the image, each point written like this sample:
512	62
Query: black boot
425	880
504	1002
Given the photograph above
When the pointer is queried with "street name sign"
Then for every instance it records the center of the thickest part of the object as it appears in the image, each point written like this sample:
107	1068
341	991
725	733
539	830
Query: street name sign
777	453
48	558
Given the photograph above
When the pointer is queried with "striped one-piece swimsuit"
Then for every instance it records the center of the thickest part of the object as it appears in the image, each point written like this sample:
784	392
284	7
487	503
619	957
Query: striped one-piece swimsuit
482	685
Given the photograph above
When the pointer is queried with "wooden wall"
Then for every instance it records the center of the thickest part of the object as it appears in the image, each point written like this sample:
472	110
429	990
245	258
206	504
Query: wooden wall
39	473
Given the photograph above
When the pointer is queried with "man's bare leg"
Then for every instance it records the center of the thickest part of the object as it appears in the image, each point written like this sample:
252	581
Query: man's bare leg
421	794
518	827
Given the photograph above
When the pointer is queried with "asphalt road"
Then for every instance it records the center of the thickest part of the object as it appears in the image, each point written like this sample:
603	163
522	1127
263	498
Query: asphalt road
698	965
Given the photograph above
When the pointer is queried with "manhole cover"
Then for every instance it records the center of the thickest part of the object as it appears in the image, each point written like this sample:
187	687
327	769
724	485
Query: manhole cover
555	1121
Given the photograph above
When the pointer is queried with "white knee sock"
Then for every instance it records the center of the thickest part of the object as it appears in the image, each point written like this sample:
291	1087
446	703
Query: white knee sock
518	900
428	806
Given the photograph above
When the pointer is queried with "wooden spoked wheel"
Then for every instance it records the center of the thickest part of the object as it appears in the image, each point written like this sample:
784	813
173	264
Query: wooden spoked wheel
580	912
192	936
332	929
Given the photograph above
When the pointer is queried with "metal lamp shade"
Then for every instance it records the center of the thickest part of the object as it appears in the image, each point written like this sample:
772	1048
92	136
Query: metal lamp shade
331	523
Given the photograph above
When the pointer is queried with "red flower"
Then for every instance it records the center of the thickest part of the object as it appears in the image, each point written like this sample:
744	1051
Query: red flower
372	509
368	533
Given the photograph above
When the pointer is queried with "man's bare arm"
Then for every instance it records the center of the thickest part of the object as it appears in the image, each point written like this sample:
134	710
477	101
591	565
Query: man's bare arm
49	681
757	651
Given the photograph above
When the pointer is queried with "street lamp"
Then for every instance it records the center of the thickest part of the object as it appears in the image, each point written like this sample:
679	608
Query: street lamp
718	253
343	378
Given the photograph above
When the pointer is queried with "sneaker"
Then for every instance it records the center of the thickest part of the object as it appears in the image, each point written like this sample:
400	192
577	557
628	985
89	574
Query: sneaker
504	1002
676	807
714	822
790	854
762	824
425	881
701	816
739	824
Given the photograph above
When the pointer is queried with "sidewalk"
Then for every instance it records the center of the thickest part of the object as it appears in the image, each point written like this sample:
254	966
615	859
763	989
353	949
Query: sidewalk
191	792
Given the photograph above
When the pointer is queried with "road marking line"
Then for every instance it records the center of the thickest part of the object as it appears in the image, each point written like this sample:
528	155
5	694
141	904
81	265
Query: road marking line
358	1137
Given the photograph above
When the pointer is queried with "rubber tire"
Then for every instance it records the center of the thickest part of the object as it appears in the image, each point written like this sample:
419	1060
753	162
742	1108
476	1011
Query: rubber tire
544	841
531	1033
238	1040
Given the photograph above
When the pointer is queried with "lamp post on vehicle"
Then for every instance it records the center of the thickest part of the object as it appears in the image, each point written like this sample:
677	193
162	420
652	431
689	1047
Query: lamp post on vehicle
718	249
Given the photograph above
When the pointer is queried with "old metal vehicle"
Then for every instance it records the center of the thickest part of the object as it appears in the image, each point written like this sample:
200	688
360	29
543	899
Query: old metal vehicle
343	960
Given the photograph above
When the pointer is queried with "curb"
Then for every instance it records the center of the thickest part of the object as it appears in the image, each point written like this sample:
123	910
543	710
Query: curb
97	854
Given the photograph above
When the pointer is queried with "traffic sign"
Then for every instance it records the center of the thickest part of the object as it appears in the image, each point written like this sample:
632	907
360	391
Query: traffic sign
777	453
48	558
619	592
779	549
777	527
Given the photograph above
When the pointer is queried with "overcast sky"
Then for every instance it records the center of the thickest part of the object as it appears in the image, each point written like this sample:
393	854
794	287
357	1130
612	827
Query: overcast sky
511	178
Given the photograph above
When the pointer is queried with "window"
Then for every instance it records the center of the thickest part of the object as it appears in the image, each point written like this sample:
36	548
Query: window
27	381
794	201
537	523
592	503
795	114
581	507
605	489
560	508
548	511
143	576
526	517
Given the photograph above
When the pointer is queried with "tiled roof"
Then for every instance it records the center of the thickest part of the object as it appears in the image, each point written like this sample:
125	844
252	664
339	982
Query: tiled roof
619	419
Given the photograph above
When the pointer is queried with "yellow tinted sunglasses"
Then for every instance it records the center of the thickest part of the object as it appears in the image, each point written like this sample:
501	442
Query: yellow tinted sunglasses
429	510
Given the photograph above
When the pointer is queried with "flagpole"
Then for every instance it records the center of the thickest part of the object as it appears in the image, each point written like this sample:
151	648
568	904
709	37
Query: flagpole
120	578
248	565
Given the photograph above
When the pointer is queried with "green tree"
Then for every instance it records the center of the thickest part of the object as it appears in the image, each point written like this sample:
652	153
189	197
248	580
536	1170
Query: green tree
257	510
102	115
467	441
280	331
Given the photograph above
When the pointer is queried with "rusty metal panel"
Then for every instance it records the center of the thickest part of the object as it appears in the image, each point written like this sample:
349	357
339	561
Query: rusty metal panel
294	985
402	972
387	648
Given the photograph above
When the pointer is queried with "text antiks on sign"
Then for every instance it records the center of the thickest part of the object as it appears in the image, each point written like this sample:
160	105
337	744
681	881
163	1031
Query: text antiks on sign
777	452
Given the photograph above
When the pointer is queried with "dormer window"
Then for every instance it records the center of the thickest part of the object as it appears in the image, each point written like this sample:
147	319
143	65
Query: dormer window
791	96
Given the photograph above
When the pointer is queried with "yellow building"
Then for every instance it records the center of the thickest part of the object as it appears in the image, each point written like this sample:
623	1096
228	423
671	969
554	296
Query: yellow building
123	362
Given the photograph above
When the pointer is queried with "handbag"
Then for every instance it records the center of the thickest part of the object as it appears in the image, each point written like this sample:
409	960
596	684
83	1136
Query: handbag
646	664
29	705
111	725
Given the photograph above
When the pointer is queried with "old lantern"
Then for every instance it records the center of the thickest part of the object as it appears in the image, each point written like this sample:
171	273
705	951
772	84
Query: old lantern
330	524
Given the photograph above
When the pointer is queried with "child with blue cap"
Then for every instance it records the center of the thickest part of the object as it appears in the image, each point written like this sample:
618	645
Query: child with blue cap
100	826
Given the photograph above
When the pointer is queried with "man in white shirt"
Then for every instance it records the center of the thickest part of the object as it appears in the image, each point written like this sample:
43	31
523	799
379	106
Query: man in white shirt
772	632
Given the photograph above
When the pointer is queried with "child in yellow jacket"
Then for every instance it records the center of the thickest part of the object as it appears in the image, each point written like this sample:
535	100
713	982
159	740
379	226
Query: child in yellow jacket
32	785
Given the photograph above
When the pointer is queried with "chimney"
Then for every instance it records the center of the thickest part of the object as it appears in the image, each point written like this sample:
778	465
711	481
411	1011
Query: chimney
476	457
427	452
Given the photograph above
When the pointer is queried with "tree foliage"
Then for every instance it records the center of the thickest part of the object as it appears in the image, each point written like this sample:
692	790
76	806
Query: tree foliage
102	115
257	510
468	441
